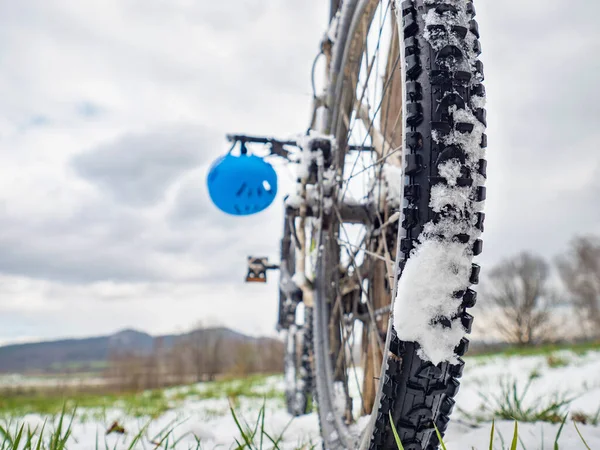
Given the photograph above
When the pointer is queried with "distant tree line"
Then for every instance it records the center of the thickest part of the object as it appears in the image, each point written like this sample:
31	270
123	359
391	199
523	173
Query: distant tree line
533	301
197	356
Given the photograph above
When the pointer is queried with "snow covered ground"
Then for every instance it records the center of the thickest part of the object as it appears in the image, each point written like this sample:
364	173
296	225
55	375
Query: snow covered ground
559	376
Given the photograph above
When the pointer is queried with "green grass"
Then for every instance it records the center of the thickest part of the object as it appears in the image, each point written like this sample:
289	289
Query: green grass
544	349
534	374
395	431
516	439
252	436
79	366
152	403
512	404
255	436
556	360
146	404
15	436
581	436
255	386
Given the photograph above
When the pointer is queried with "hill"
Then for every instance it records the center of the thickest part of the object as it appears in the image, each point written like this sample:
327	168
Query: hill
92	354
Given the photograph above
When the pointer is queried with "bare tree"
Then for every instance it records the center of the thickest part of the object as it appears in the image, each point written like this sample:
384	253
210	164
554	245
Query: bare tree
215	349
127	370
197	353
271	352
205	348
519	290
155	365
246	359
580	272
179	361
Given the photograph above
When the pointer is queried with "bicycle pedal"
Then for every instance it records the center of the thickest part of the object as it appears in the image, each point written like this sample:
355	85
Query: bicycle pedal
257	269
259	279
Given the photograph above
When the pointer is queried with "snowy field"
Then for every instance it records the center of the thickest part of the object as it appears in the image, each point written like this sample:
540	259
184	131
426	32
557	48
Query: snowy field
492	388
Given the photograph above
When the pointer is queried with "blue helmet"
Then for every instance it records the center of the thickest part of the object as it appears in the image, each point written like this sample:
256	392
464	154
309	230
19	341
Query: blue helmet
242	185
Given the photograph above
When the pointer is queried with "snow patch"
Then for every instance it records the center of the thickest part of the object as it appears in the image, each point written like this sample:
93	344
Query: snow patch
443	196
394	178
451	171
294	200
308	156
478	102
432	274
299	279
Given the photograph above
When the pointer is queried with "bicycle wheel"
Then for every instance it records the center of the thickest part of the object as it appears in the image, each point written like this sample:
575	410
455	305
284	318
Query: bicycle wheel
421	94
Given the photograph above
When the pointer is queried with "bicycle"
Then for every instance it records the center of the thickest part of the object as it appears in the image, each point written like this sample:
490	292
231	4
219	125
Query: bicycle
376	257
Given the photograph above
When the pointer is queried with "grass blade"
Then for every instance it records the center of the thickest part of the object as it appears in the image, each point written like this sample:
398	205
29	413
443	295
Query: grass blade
522	443
439	436
18	437
492	435
396	437
262	424
69	429
240	428
273	441
29	439
6	436
58	431
559	431
280	438
138	437
542	438
41	436
515	440
582	439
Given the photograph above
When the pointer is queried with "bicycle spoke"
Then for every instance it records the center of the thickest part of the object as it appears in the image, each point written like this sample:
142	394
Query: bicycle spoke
367	252
360	277
370	66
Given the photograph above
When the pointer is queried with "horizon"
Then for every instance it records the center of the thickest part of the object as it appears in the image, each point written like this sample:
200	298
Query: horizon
112	115
37	340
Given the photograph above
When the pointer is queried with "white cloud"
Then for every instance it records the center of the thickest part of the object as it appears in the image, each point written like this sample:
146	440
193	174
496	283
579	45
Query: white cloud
54	309
104	224
139	169
78	80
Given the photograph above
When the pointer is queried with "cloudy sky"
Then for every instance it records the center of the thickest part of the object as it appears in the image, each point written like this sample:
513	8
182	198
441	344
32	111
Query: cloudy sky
112	110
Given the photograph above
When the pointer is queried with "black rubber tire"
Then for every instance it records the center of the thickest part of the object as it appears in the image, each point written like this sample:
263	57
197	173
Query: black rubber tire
439	82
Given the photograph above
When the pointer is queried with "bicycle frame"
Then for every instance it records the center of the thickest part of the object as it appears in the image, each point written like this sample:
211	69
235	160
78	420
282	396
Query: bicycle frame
333	8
